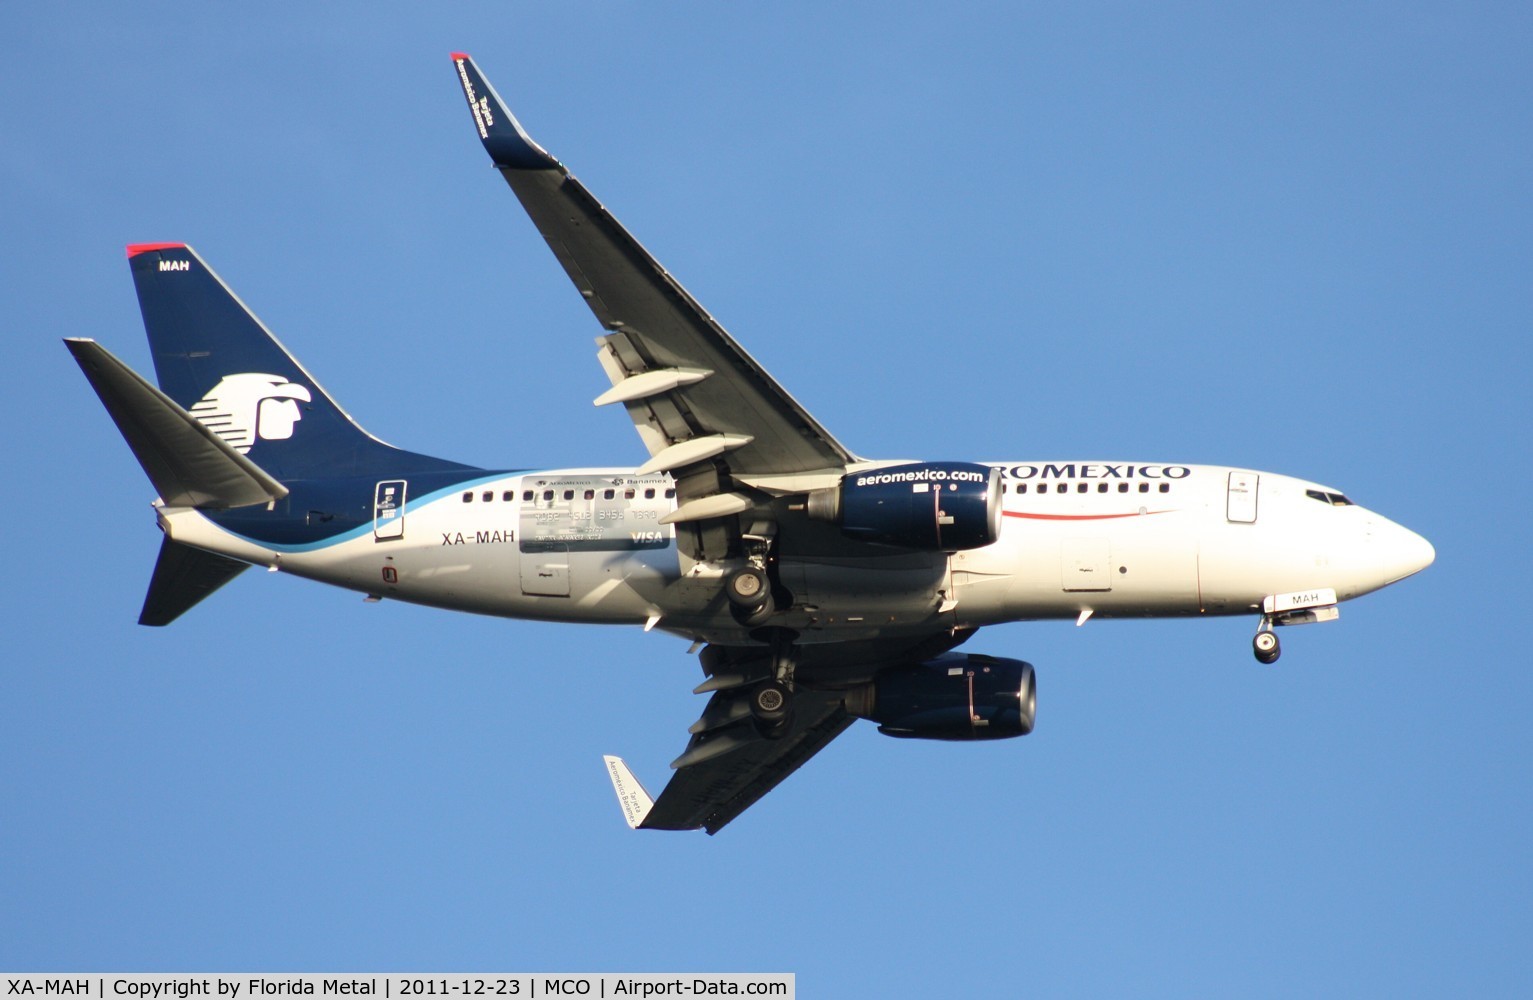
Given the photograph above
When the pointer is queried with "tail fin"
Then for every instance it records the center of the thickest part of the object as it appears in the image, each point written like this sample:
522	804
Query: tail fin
215	359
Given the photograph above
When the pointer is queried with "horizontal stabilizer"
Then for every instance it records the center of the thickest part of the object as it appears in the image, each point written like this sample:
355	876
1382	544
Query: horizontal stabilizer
183	576
188	464
631	795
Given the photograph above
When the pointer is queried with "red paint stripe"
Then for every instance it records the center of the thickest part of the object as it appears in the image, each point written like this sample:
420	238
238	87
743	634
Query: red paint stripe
1079	517
134	249
459	55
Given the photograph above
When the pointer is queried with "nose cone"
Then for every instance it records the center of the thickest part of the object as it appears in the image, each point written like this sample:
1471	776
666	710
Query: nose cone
1403	551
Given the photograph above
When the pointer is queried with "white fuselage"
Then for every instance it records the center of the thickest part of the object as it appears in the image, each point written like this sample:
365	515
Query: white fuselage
1105	539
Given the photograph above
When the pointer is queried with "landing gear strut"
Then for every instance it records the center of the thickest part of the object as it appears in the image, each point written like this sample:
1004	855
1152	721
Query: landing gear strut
771	701
1265	645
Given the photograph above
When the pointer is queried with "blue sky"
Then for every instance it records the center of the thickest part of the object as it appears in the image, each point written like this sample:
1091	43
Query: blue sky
1294	237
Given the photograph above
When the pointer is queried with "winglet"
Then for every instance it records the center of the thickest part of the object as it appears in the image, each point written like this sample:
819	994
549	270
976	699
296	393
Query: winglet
631	795
503	136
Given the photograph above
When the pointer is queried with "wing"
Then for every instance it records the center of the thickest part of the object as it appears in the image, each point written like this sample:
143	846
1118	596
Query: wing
698	400
729	765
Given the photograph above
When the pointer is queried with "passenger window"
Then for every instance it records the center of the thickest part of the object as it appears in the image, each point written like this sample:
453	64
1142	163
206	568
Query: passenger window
508	496
468	497
649	494
1144	487
1083	487
590	494
628	494
548	494
1165	487
526	496
487	496
1123	487
1061	488
569	494
608	494
1101	487
670	494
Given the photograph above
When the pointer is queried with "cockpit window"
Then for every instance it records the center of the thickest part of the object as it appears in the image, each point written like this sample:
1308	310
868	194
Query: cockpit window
1334	499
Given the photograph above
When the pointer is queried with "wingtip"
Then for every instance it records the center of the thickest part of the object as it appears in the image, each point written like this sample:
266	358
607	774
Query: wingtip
504	138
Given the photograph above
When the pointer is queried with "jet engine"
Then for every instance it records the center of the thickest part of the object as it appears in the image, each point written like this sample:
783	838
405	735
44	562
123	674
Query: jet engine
957	696
934	506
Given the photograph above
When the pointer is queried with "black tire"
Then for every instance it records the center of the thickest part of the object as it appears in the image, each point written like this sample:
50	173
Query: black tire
747	588
1266	647
752	617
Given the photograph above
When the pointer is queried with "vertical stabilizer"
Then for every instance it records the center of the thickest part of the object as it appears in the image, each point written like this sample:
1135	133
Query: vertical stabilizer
217	361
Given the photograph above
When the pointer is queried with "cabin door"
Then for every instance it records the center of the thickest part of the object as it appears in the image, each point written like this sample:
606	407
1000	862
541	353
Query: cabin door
1240	502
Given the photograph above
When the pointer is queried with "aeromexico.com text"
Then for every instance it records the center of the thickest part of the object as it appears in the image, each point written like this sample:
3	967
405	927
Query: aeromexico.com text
1095	470
923	476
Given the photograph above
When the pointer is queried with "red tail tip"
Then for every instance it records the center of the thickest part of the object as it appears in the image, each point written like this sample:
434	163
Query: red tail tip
460	55
134	249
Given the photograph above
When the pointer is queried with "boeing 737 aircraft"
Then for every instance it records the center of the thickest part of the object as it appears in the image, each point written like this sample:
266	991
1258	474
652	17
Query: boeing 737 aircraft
820	587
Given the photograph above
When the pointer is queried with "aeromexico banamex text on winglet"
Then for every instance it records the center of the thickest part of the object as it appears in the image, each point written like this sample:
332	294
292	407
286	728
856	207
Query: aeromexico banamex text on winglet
631	795
504	139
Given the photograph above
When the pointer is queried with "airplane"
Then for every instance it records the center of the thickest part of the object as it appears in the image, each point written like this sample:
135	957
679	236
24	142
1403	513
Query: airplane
820	587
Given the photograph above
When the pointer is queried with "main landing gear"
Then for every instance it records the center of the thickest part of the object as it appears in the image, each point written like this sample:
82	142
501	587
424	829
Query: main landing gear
749	588
771	701
1265	645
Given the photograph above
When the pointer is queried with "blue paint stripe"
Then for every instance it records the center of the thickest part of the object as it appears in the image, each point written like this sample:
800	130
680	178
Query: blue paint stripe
367	529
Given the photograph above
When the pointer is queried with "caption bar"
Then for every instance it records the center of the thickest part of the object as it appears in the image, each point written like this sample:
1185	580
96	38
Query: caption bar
260	986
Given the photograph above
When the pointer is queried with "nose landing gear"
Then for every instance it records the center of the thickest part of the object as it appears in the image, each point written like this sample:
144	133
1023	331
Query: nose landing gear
1265	645
1302	608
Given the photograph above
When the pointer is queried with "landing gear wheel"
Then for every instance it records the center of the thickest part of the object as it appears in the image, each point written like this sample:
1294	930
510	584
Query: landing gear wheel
772	706
752	618
1266	647
770	701
747	588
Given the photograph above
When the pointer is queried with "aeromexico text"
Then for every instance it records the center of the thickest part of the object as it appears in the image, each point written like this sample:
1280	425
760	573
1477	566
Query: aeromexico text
1094	470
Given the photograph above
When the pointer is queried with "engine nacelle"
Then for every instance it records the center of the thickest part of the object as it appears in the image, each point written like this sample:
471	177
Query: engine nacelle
957	696
933	506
